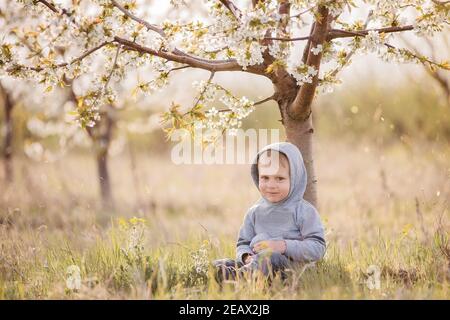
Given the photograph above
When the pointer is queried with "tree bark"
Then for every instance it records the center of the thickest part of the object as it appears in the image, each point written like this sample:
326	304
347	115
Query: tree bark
7	148
102	140
300	133
295	102
104	181
297	117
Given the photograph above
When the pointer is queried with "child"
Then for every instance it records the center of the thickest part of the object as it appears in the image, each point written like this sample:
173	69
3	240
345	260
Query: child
282	228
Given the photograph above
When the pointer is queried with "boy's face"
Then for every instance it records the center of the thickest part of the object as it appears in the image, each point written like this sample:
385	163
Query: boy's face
274	179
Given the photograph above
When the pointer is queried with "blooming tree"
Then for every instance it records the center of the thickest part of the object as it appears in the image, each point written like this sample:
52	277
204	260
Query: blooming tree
53	118
265	38
53	108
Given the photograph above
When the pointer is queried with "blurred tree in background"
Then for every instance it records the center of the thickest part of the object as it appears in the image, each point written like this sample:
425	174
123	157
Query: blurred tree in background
299	46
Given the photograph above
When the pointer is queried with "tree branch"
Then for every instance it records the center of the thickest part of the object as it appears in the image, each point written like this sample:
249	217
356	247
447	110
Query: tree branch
337	33
204	89
301	107
178	68
84	55
138	20
233	9
180	56
435	74
307	48
176	55
272	97
287	39
420	58
350	54
51	6
301	13
210	65
102	90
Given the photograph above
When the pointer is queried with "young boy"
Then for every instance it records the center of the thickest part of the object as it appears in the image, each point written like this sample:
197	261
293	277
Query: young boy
282	228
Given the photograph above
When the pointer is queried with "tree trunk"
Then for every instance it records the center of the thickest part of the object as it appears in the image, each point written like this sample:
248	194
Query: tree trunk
101	135
104	181
294	100
103	142
300	132
7	148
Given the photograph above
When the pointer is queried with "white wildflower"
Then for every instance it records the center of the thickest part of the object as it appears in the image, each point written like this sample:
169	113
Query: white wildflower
73	280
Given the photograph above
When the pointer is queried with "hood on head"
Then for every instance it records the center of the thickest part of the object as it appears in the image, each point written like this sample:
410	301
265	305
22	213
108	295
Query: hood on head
296	167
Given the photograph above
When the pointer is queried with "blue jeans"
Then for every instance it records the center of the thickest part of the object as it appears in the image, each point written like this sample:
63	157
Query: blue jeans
267	263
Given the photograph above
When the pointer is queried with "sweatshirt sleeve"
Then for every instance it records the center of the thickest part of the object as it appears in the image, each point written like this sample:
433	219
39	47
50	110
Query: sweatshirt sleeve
246	234
312	246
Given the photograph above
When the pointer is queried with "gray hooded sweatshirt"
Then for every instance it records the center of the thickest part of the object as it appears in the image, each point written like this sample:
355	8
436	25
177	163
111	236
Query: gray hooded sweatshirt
293	219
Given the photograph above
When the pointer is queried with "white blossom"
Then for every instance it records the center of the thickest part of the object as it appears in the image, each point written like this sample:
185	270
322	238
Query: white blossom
304	73
373	42
317	49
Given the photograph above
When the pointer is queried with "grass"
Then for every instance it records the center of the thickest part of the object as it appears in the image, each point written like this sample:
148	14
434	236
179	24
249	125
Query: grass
382	207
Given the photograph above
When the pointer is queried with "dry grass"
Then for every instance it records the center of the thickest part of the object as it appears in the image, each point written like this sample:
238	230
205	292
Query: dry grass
50	219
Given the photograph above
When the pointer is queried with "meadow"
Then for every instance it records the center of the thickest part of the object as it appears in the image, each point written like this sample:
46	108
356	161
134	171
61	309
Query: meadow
385	210
381	144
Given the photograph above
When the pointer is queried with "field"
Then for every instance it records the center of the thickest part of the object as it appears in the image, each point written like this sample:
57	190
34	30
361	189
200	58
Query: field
385	209
94	93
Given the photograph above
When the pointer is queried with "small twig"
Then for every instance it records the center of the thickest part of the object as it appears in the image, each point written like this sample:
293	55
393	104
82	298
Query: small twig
415	55
307	48
84	55
102	90
233	9
351	53
203	227
204	89
301	13
337	33
114	66
137	19
51	6
272	97
178	68
287	39
364	33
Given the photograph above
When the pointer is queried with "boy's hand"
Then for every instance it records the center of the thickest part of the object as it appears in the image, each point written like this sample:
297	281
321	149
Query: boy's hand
272	245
